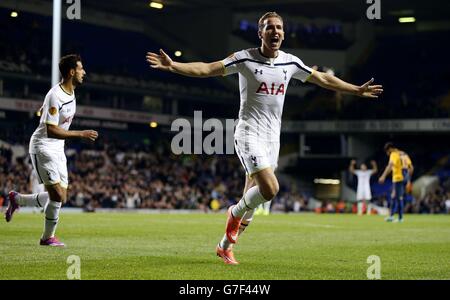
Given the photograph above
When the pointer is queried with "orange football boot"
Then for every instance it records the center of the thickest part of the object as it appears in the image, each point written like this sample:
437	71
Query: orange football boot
227	256
232	227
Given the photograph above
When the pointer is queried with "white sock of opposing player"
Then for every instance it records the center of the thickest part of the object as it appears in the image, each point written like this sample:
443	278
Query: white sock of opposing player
360	207
51	219
250	201
248	217
266	206
39	199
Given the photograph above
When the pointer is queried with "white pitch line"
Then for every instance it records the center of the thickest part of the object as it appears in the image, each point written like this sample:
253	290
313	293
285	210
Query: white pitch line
319	225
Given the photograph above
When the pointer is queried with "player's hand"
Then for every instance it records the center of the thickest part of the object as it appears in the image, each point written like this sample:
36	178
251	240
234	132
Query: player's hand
370	91
381	180
409	187
160	61
353	162
90	135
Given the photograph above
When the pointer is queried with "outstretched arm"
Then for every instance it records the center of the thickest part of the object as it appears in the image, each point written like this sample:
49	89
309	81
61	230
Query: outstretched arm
374	167
351	168
163	62
410	166
411	170
331	82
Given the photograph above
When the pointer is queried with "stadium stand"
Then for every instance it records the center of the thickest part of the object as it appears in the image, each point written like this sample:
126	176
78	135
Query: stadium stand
119	81
119	174
300	35
114	80
124	82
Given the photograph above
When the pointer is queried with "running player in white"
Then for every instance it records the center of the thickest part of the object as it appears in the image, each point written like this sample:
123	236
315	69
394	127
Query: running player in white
264	75
363	192
47	149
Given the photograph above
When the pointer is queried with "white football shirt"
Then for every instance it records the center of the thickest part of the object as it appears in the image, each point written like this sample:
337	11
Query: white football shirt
263	83
363	189
58	109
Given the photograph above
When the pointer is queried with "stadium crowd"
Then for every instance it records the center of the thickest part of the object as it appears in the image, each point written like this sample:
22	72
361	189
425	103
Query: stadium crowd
123	175
434	202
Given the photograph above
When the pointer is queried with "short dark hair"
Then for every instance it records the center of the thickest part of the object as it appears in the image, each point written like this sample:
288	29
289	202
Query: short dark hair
270	14
67	63
388	145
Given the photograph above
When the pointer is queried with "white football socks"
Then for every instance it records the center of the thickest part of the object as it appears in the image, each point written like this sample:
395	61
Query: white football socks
248	217
266	206
250	201
224	242
360	207
245	210
32	199
51	219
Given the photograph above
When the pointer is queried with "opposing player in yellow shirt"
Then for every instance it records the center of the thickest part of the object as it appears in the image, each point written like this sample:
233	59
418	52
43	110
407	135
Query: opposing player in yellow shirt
396	166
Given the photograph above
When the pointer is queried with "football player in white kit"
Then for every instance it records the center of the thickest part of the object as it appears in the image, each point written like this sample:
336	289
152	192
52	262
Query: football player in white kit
47	149
264	75
363	192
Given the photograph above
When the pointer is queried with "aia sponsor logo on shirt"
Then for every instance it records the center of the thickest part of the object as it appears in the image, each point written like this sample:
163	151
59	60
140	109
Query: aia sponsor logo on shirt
272	89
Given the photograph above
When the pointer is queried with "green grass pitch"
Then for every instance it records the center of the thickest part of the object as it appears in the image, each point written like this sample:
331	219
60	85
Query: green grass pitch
182	246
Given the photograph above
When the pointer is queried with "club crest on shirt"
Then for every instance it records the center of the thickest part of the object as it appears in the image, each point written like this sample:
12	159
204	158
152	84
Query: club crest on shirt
48	176
52	110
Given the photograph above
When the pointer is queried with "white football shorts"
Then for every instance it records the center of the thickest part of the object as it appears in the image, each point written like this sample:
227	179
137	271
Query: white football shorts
51	168
257	155
363	194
